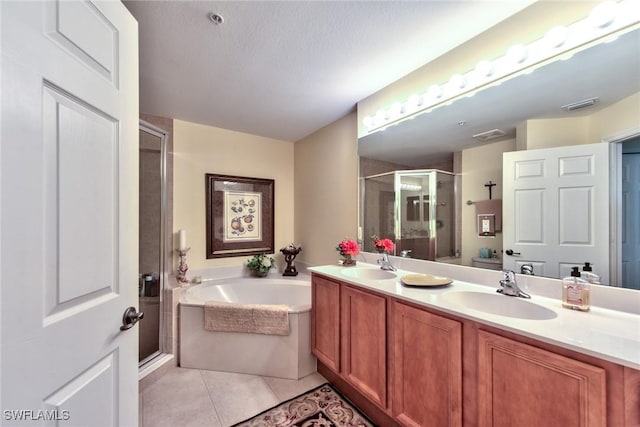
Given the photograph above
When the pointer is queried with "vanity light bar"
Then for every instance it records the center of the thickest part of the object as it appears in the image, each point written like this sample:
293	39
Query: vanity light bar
410	187
604	20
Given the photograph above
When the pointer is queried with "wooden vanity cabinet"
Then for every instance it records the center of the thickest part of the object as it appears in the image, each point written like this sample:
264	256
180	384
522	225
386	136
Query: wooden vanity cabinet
407	365
427	368
364	343
349	335
519	384
325	321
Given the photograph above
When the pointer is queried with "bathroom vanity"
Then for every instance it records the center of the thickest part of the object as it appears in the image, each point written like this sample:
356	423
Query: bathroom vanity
458	355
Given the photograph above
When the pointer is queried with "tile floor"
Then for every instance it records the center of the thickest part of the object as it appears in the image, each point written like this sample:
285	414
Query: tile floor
192	397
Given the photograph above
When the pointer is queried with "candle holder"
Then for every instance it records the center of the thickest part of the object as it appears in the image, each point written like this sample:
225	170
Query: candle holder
290	253
182	267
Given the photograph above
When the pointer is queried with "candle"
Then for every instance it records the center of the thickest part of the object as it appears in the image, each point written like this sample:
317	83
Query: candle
182	239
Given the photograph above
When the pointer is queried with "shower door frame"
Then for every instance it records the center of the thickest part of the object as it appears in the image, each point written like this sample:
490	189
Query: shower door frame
432	199
397	208
151	129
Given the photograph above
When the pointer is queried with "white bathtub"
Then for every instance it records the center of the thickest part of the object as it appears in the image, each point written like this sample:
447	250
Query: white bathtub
270	355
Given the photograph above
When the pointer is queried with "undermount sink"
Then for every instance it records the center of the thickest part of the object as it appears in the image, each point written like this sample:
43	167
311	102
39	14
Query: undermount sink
501	305
367	273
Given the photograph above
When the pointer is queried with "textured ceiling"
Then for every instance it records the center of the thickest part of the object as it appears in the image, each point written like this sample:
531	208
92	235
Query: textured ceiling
285	69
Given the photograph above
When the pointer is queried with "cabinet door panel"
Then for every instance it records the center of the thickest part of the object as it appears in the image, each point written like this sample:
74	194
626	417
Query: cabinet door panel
325	321
364	359
427	368
523	385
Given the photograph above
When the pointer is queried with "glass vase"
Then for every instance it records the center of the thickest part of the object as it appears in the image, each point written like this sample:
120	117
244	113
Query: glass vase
348	261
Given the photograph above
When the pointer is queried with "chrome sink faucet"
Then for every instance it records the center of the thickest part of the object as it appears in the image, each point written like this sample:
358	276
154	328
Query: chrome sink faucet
385	263
406	253
508	286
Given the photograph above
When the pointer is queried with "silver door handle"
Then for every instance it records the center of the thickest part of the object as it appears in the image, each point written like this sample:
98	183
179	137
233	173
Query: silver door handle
130	318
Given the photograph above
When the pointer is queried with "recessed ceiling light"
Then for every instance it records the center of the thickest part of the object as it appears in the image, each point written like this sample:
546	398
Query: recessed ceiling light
216	18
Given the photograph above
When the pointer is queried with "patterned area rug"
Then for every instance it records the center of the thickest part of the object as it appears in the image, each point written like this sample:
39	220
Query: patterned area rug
320	407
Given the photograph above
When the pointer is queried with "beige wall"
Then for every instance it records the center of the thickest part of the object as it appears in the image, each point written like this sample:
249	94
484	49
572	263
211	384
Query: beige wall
479	166
200	149
548	133
326	190
623	116
618	118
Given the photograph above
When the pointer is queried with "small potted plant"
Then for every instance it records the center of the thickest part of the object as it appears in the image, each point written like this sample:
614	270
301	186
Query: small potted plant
348	249
382	245
260	264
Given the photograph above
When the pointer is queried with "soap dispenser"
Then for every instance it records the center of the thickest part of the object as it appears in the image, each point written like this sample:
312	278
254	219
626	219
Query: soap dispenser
588	274
575	291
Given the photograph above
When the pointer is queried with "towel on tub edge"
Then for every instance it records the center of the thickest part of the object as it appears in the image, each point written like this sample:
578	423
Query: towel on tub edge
249	318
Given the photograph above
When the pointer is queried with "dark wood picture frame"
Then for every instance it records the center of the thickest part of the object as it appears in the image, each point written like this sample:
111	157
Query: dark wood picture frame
239	215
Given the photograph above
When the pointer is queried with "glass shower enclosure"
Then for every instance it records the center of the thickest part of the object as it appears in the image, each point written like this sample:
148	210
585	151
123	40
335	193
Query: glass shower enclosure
152	237
417	209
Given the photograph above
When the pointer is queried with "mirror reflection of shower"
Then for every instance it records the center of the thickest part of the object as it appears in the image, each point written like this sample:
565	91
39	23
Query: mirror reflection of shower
152	207
416	209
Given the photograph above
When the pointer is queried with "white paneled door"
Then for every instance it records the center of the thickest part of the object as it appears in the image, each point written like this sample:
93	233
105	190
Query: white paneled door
553	209
69	218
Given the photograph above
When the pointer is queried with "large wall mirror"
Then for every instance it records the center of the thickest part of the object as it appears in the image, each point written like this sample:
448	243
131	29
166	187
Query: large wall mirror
524	113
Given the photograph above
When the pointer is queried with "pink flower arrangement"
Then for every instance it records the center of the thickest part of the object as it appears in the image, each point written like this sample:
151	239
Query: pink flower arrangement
383	245
348	247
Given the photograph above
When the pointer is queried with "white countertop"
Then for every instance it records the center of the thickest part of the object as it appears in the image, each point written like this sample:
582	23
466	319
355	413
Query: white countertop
607	334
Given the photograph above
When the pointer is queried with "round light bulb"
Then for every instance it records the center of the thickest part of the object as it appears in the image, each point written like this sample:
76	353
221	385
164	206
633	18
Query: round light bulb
556	36
485	68
414	102
603	14
458	81
434	92
395	111
517	53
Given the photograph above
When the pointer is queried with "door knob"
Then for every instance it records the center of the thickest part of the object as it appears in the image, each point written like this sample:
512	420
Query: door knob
510	252
130	318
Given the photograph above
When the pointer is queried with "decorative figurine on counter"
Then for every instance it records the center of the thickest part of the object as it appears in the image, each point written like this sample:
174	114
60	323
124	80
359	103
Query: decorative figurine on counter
290	252
181	273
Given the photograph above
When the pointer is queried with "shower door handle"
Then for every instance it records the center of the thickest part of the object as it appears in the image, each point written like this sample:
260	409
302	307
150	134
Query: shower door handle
130	318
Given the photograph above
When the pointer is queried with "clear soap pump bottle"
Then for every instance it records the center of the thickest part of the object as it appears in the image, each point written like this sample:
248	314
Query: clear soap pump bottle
588	274
575	291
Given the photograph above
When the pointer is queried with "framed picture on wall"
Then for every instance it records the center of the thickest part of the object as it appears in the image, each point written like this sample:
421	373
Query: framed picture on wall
239	215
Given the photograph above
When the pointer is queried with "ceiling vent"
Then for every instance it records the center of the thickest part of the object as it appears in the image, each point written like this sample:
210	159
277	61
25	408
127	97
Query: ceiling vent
580	104
489	135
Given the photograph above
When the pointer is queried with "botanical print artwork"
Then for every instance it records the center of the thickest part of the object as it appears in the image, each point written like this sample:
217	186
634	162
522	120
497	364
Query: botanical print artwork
242	216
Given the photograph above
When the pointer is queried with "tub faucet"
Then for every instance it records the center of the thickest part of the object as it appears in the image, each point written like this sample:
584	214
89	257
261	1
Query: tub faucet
508	286
385	263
